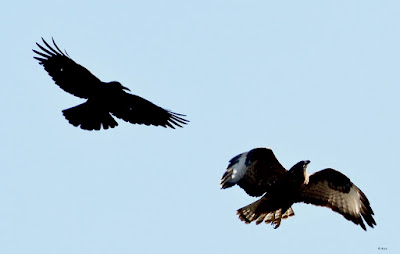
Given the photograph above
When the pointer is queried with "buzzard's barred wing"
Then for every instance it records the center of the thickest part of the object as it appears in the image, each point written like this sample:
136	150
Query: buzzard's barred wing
254	171
137	110
68	75
332	189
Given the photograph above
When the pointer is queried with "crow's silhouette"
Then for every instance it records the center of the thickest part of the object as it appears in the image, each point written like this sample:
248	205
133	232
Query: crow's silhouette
103	99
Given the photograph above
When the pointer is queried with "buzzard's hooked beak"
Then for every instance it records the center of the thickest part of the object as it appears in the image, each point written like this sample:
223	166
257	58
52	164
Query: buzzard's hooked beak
307	162
125	88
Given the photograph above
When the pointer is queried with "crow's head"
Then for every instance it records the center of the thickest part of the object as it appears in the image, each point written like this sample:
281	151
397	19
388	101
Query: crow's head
117	85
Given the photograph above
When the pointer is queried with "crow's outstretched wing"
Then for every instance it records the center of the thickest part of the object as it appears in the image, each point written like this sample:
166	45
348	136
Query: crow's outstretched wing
68	75
332	189
254	171
137	110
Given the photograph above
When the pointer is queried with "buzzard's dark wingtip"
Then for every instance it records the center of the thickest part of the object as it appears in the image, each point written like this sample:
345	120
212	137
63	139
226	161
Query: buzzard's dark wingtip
224	182
225	185
363	225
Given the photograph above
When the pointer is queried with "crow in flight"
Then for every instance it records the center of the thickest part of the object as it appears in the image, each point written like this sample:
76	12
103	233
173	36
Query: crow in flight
102	98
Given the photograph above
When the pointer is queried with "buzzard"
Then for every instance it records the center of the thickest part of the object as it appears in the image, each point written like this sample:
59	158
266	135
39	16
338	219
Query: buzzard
258	172
104	99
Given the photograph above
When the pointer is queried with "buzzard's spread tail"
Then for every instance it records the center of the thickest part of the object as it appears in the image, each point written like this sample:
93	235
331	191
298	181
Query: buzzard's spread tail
89	118
249	213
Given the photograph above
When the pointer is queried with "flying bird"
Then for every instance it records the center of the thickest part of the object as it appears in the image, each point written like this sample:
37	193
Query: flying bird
258	172
104	99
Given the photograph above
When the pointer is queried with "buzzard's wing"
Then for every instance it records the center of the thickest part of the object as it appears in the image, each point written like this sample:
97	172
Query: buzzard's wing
137	110
254	171
70	76
332	189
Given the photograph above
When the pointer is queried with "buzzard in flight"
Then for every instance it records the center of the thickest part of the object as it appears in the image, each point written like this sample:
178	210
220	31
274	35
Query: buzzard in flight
104	99
258	172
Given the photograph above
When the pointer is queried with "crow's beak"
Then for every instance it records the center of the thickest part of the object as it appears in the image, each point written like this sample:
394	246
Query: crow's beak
125	88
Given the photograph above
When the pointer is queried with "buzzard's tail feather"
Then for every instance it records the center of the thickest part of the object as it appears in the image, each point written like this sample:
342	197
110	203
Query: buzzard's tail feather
89	118
249	213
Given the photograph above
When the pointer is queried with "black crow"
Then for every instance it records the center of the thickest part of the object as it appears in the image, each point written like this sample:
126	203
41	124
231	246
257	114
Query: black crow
103	98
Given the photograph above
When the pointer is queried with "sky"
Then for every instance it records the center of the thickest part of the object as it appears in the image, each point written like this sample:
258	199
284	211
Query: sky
312	80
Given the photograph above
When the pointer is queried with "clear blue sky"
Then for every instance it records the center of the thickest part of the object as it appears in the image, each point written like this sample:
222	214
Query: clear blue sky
316	80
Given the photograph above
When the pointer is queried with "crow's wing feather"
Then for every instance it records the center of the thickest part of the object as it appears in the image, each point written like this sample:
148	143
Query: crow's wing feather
134	109
66	73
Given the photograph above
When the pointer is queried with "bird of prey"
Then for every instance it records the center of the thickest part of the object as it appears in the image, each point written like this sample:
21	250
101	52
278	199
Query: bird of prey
104	99
258	172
